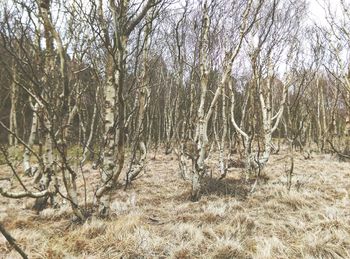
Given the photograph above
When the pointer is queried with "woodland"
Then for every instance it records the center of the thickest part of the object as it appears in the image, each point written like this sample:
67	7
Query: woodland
174	129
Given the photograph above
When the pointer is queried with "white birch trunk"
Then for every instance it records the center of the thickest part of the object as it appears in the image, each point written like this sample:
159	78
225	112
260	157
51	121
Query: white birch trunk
143	104
109	160
27	168
68	175
201	137
270	123
114	153
222	162
13	112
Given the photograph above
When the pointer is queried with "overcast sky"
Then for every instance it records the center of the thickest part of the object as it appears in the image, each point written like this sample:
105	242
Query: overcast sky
316	10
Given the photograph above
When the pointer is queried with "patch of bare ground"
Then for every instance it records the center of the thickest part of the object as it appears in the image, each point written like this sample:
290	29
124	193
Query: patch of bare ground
154	218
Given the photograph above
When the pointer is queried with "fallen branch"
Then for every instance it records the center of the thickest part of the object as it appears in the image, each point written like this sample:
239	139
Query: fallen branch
12	241
337	151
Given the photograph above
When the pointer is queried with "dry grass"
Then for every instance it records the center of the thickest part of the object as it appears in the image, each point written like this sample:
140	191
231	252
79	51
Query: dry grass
154	217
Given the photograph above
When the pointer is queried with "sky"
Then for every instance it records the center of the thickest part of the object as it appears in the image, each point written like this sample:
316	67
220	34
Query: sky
317	12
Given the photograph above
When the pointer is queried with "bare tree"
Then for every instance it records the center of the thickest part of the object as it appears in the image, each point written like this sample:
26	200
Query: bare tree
201	152
114	116
266	45
337	35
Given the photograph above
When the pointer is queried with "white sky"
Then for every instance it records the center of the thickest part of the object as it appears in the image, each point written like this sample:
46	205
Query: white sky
317	12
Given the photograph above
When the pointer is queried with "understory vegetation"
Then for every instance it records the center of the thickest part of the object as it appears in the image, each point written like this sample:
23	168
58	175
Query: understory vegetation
155	218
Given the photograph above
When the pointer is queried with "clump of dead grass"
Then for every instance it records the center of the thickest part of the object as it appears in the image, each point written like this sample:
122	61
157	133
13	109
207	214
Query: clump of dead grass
227	251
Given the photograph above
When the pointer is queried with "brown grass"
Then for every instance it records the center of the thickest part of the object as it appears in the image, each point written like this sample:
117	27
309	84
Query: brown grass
155	219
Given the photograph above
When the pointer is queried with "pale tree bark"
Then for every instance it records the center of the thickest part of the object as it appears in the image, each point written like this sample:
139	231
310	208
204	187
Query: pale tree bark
220	139
334	125
247	138
42	176
87	145
114	151
27	167
13	112
222	153
321	115
264	57
143	100
68	174
169	118
190	122
108	163
201	137
270	122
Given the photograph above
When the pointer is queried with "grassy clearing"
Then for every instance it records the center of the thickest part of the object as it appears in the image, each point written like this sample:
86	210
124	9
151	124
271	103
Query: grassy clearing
154	217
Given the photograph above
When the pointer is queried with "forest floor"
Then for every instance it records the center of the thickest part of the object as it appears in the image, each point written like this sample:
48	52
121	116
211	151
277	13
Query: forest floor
154	217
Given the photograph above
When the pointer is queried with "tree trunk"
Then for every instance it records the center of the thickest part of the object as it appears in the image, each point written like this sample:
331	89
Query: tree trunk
201	137
13	112
27	168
